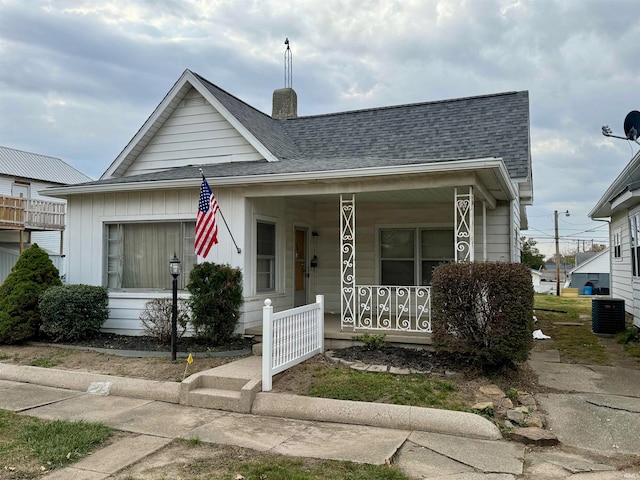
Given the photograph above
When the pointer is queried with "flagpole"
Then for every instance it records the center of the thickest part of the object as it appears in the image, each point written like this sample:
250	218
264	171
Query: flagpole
224	219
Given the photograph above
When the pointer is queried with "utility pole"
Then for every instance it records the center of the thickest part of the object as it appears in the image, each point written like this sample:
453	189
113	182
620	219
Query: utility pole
555	217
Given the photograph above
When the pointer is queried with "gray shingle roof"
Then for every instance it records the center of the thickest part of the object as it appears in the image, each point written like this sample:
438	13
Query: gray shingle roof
38	167
486	126
475	127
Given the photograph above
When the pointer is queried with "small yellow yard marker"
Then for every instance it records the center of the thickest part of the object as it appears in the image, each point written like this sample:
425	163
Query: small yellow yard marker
189	362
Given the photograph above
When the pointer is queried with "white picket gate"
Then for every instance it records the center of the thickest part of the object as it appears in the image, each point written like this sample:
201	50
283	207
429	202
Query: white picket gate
290	337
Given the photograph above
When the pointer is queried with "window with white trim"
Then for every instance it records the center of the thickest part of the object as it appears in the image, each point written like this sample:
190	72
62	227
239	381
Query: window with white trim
408	256
616	241
634	235
265	256
138	254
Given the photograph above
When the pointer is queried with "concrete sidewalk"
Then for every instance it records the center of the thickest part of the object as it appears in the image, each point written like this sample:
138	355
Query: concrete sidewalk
340	435
156	423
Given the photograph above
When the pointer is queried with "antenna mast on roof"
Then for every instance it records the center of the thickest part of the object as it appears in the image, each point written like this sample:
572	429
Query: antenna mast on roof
287	65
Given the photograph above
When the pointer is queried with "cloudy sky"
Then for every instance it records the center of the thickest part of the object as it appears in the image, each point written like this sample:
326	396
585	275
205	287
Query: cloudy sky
79	77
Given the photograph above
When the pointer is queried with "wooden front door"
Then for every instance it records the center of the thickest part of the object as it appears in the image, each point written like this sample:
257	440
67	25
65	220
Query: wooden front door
300	274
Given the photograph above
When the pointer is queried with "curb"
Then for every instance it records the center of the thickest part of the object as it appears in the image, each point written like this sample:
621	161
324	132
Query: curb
80	381
400	417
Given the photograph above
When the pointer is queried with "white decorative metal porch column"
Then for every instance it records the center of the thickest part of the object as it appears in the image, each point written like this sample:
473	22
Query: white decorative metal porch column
347	261
464	234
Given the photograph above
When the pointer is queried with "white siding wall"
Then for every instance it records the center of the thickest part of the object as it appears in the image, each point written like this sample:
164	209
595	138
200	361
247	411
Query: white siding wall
621	276
88	214
194	134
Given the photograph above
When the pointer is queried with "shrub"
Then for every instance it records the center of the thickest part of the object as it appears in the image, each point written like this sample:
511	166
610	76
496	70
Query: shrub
484	311
32	274
73	312
156	318
372	342
216	297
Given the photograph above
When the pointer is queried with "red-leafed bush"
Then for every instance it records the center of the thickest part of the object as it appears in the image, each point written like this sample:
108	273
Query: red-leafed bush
483	311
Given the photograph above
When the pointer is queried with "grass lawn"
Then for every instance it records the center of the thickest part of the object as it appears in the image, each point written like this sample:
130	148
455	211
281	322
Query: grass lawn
30	446
567	320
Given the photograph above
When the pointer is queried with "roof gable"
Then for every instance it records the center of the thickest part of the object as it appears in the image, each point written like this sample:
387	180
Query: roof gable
195	133
164	111
490	126
33	166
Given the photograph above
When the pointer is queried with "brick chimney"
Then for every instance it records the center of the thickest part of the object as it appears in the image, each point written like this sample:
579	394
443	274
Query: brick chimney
285	104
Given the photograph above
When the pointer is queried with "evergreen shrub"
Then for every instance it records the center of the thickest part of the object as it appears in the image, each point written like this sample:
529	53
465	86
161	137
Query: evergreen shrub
20	293
483	311
73	312
216	298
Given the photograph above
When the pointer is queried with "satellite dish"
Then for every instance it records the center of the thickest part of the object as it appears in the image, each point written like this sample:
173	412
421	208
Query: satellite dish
632	125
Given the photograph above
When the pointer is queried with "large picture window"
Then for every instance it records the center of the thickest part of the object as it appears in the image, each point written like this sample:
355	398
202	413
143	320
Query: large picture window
266	257
408	256
138	254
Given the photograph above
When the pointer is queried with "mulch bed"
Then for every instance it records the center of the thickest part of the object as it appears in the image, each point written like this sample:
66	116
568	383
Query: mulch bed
111	341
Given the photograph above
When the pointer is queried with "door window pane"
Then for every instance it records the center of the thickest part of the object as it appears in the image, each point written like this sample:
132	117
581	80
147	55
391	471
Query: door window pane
266	257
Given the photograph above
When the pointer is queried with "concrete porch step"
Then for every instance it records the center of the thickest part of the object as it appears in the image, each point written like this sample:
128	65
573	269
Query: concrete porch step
231	387
214	398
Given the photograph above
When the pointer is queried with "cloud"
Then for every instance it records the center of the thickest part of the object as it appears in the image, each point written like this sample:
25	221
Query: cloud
79	77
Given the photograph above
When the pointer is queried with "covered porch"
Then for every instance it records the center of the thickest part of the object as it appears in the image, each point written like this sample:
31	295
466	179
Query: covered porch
371	252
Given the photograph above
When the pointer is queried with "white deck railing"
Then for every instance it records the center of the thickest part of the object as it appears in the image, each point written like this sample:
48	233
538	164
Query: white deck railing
290	337
406	309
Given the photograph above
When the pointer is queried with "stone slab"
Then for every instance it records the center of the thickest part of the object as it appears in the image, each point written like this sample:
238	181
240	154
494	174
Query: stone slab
71	473
353	443
163	419
485	455
588	378
420	462
19	397
121	454
90	408
302	438
581	423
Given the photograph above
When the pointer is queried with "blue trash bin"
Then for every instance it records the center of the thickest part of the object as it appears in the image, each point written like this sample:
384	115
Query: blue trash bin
588	290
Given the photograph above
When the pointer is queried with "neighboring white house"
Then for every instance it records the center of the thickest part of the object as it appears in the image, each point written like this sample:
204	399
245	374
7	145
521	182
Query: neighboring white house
358	206
27	216
620	205
593	272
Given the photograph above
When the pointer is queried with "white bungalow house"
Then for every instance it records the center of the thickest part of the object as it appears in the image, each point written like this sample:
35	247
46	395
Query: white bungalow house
359	206
27	216
620	206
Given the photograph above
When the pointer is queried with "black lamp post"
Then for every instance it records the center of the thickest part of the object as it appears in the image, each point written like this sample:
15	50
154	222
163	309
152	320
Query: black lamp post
174	269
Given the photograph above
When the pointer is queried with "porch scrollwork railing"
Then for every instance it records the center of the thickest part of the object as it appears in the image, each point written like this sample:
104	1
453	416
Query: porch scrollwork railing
393	308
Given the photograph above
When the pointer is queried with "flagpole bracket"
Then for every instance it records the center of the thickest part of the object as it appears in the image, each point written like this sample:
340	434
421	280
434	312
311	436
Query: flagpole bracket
238	250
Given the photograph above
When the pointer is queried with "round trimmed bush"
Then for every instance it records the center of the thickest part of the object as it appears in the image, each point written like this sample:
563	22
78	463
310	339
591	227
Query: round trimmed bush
73	312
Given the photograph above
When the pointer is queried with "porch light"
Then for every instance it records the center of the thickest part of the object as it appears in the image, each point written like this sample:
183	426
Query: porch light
174	266
174	269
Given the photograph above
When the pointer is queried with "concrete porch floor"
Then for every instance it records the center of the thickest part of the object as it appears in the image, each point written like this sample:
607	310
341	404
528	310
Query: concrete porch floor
334	337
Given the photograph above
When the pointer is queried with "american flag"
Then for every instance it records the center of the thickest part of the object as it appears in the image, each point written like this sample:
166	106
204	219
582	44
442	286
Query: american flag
206	226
